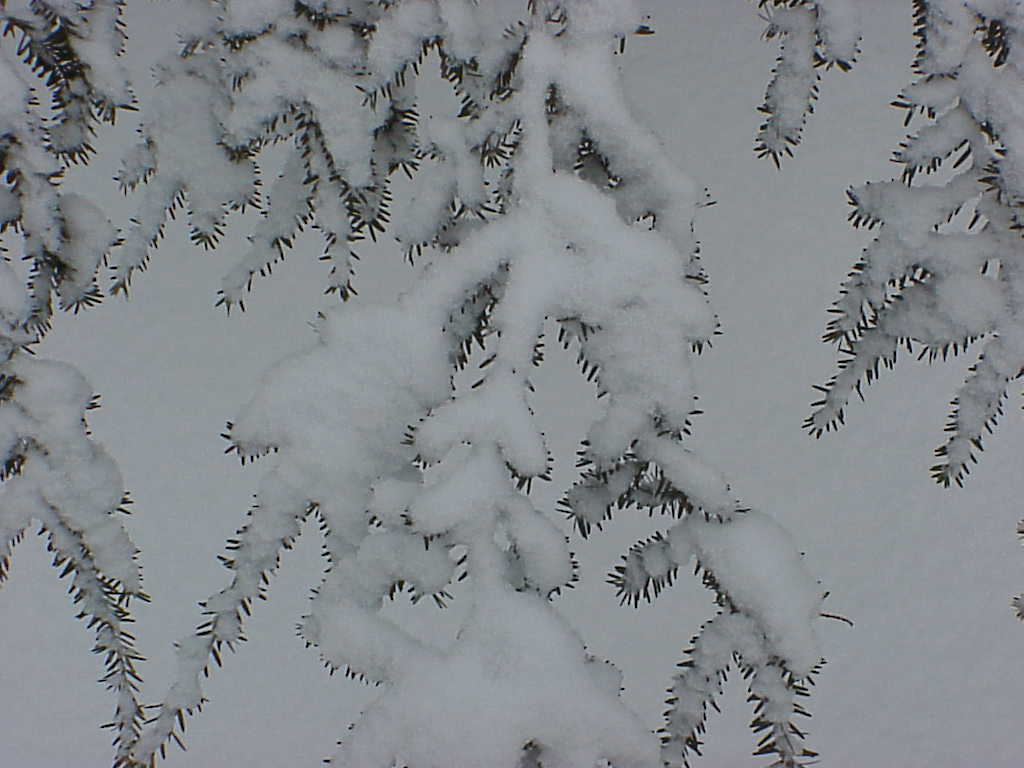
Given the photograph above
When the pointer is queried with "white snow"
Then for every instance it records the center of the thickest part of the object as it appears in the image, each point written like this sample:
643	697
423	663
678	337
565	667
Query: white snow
519	676
644	345
756	562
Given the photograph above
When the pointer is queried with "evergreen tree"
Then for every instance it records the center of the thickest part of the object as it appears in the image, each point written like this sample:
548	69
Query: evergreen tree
60	77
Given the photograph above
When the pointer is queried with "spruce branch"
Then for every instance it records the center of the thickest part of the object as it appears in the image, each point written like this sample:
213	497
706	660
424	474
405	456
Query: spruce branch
943	269
812	35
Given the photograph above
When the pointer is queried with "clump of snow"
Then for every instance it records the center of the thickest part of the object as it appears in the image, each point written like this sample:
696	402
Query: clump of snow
433	189
520	677
973	303
809	34
250	17
838	28
497	410
694	690
465	489
391	496
757	564
539	544
14	299
339	410
385	558
462	34
446	135
68	475
89	238
702	483
350	634
659	559
398	39
602	18
927	278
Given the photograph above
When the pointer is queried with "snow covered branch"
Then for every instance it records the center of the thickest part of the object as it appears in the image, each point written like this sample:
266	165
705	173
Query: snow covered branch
944	271
262	73
69	53
53	474
812	35
56	476
542	204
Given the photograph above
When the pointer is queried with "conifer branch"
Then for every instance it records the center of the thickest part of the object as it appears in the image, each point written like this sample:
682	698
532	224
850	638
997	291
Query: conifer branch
812	35
943	270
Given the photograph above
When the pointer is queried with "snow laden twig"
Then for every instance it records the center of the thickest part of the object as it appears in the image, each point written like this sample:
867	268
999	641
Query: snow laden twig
53	474
733	640
812	35
944	271
333	418
769	602
768	606
68	54
254	75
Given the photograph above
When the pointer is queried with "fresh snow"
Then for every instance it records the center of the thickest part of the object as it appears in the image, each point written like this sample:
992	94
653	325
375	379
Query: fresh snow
516	672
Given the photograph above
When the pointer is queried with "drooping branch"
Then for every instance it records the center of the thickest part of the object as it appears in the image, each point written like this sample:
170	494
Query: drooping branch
944	269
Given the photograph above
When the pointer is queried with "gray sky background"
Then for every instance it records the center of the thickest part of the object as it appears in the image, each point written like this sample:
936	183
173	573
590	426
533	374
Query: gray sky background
929	677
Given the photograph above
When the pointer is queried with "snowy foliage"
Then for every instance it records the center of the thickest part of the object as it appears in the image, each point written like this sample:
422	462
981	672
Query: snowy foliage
59	77
812	35
541	207
944	272
406	431
255	74
68	55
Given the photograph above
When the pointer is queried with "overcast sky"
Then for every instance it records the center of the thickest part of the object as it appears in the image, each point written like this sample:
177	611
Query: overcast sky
930	675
